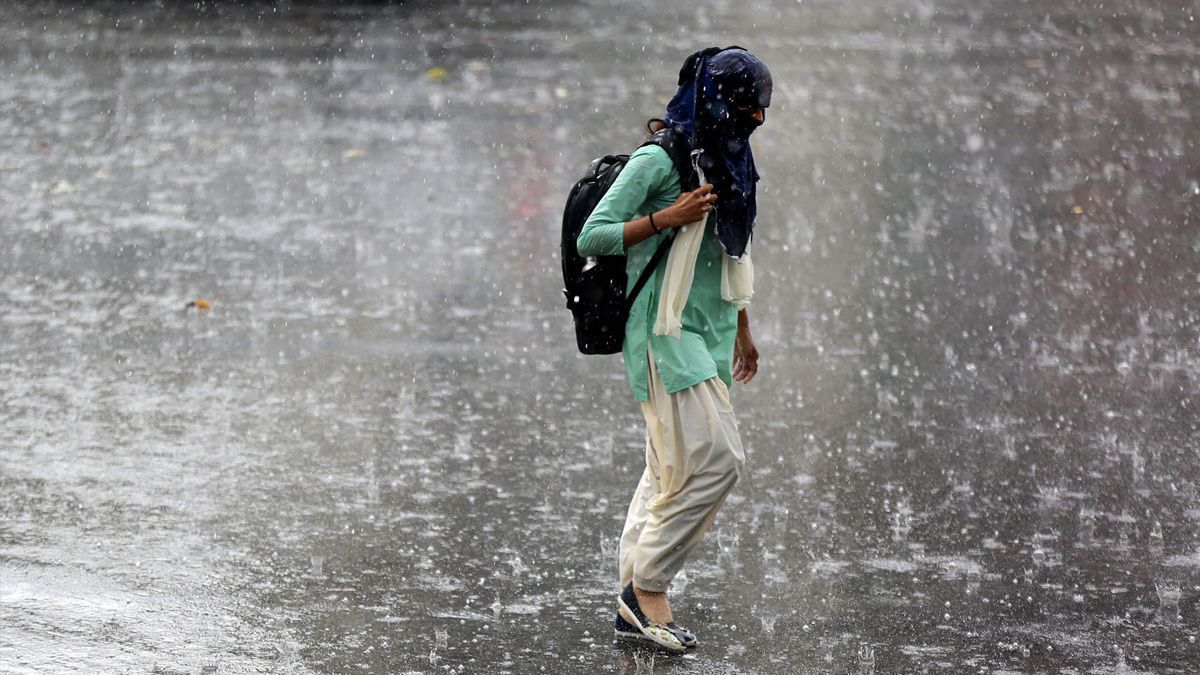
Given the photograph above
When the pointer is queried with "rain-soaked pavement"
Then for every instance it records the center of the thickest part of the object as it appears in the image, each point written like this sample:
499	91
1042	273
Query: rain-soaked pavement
973	442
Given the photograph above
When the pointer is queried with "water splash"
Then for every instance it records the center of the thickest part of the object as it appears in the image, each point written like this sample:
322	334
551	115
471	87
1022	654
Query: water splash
866	659
1169	592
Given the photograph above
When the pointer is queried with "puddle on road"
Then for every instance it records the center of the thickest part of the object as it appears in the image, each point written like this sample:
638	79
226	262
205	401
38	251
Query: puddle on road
972	442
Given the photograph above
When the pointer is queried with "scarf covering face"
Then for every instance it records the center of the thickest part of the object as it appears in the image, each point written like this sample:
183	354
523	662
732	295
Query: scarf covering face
714	85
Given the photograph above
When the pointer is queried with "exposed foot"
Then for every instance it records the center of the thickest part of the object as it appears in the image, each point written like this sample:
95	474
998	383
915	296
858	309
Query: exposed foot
653	629
654	605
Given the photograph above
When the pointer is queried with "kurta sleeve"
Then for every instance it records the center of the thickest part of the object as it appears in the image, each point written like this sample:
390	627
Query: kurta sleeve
645	175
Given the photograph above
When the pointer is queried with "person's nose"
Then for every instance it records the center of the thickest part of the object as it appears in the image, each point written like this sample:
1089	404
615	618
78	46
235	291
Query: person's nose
760	115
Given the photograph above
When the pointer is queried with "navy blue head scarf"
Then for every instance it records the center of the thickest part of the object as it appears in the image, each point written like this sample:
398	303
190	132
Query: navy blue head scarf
715	85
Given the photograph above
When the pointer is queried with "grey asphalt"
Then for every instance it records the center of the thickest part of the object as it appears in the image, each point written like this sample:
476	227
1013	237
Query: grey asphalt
972	444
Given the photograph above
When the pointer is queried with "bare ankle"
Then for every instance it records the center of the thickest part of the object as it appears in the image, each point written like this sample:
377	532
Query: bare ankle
654	604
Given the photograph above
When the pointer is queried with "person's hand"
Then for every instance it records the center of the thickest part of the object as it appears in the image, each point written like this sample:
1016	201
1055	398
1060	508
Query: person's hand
689	208
745	355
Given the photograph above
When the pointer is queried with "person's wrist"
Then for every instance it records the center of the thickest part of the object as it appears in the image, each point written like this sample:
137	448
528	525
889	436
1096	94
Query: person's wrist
663	219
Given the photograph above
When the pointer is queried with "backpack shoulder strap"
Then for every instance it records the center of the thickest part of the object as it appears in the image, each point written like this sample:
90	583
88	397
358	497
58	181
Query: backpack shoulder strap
659	254
679	150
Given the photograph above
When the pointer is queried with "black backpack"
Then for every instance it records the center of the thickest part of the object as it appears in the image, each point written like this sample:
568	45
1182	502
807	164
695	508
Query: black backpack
595	287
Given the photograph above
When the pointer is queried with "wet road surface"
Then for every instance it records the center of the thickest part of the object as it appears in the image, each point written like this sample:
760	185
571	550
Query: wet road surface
973	441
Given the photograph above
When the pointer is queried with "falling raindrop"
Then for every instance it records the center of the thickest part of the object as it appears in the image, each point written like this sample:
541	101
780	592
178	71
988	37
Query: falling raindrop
1137	467
901	522
462	445
607	443
316	567
1156	540
781	520
727	545
1087	527
680	584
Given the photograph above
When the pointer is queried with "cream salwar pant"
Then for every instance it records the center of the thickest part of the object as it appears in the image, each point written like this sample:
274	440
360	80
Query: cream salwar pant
693	458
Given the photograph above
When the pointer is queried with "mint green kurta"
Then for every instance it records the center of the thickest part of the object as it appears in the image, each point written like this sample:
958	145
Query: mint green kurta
704	348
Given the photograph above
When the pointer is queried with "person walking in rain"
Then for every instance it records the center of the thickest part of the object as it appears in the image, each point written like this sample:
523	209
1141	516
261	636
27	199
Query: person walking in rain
688	334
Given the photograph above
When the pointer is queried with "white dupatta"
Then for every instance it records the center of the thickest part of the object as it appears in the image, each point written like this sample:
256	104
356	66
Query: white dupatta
737	276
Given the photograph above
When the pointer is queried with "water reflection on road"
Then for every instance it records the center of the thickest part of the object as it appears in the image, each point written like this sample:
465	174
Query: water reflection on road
972	444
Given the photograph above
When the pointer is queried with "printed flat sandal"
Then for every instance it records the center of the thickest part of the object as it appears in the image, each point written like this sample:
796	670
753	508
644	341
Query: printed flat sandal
687	637
624	629
656	632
